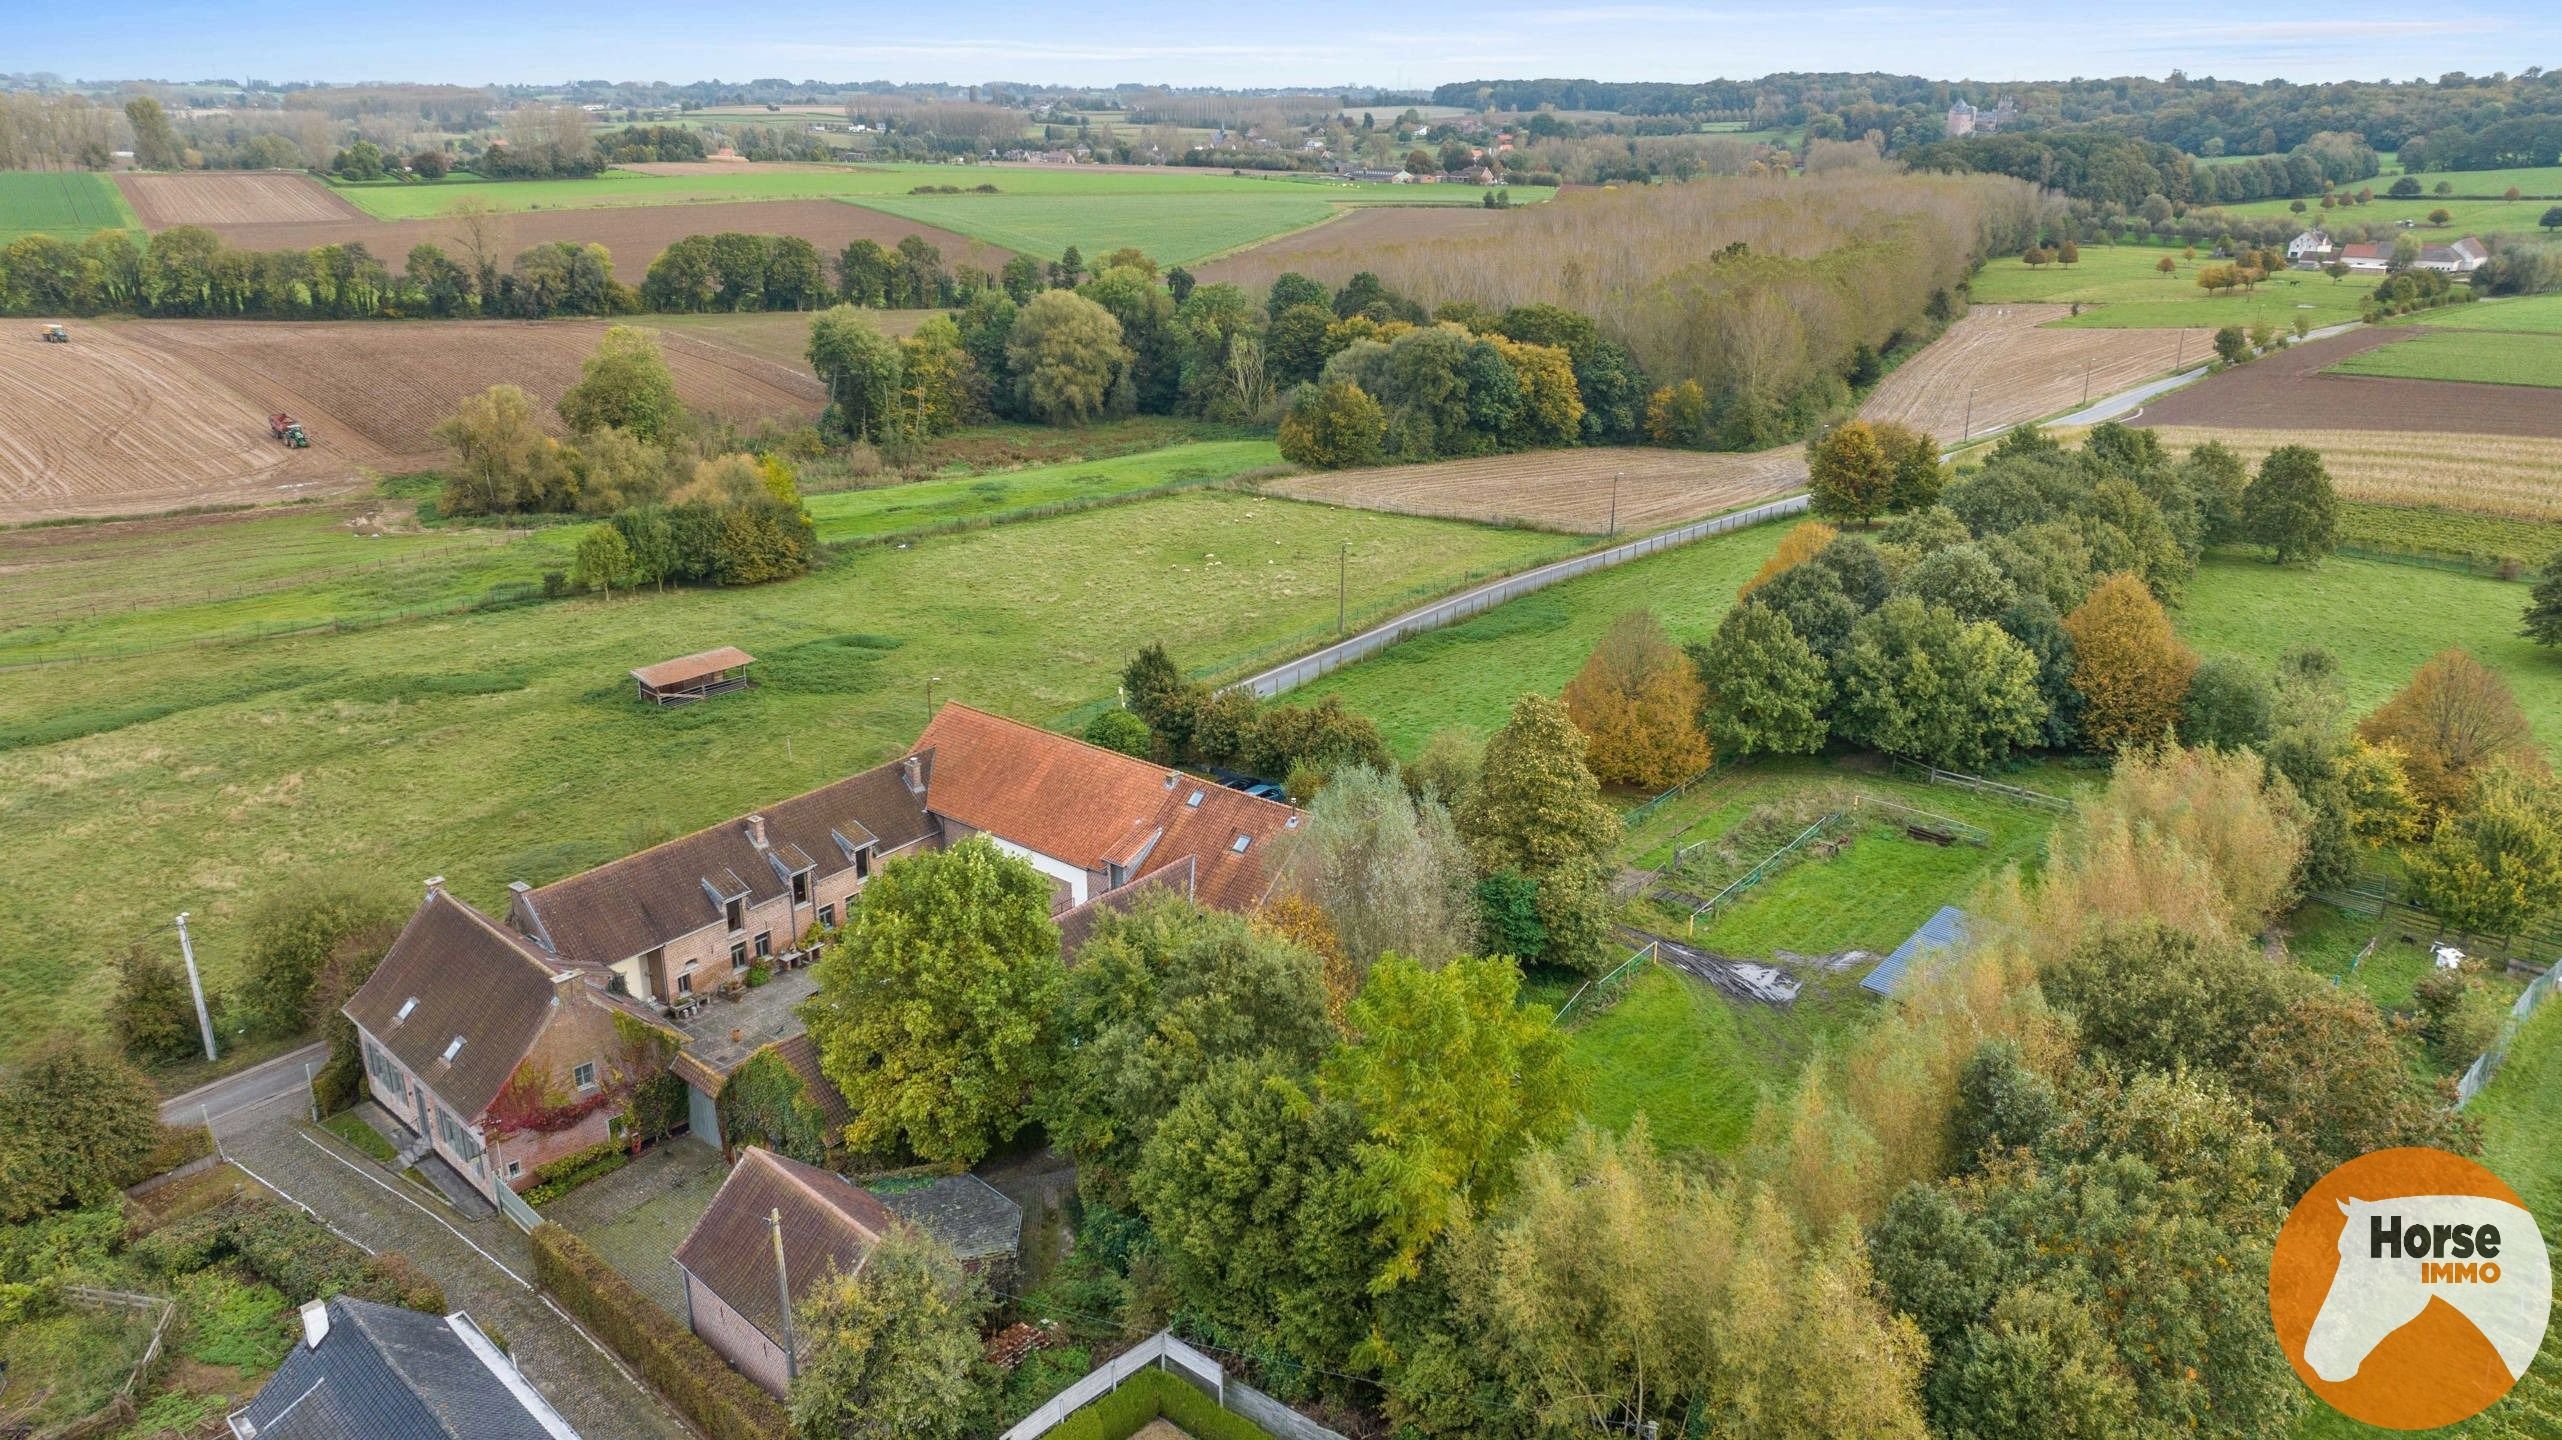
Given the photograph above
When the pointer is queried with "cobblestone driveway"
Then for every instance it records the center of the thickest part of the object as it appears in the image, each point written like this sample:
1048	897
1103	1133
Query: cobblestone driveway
637	1216
485	1266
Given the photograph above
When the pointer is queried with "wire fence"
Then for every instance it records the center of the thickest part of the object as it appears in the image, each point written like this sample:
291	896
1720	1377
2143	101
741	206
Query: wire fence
1283	678
2018	794
2488	1063
1600	993
1769	865
2495	567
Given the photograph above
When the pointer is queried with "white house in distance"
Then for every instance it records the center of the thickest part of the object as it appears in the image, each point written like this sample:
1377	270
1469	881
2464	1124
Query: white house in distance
2313	249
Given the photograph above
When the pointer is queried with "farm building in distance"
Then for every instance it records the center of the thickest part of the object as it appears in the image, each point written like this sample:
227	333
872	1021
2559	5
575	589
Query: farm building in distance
2313	249
694	677
1946	931
1965	119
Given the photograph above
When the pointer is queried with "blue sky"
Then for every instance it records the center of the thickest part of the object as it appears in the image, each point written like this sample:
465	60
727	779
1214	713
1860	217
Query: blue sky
1259	42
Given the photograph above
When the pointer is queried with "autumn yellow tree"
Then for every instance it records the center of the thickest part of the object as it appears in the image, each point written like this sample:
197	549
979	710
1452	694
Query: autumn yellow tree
2133	673
1637	702
2452	722
1849	475
1798	546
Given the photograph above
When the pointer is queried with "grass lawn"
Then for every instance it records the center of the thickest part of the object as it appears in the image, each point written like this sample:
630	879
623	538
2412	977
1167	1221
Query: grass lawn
1677	1052
2381	620
921	504
2527	315
506	744
1467	676
2120	287
70	204
364	1139
2495	357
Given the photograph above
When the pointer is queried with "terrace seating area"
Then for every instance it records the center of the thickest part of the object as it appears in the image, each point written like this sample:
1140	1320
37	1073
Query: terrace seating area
723	1029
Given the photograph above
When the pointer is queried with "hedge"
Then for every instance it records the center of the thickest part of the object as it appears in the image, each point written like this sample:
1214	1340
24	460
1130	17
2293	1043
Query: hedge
1146	1396
290	1251
573	1170
695	1379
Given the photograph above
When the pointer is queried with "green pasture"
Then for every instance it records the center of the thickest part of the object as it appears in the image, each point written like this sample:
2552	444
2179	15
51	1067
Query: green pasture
2122	287
2493	357
70	204
919	504
506	743
1175	214
2447	532
2464	216
2541	182
2530	315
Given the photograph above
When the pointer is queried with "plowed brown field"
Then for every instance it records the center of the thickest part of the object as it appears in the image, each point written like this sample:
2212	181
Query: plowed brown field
144	416
231	197
1345	239
2287	391
634	233
1995	368
1569	490
112	425
376	391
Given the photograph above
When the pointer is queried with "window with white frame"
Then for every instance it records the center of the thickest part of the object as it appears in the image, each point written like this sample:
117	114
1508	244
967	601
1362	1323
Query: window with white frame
585	1074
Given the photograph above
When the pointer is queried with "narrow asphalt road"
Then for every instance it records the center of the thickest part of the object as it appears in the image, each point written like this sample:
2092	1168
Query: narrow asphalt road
254	1086
485	1265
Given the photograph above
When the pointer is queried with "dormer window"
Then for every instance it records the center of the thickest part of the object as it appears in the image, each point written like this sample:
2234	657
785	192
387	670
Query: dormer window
801	888
405	1007
453	1050
735	912
863	863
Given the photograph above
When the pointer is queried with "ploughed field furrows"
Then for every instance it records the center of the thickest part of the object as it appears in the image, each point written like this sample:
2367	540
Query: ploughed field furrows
2513	477
2288	391
1995	367
1569	490
114	425
233	197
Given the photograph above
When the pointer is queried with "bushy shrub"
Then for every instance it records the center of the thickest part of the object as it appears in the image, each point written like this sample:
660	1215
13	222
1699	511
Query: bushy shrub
575	1169
724	1404
289	1250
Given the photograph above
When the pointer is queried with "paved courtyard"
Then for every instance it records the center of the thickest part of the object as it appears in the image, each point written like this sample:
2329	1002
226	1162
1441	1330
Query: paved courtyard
638	1215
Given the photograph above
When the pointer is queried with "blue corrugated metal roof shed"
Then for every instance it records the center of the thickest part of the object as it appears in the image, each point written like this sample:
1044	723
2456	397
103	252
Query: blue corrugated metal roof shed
1946	930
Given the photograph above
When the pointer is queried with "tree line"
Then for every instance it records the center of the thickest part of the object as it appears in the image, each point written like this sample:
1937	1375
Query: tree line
2108	167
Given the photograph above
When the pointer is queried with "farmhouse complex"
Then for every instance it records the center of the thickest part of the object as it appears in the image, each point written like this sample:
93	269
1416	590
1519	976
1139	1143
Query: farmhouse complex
502	1044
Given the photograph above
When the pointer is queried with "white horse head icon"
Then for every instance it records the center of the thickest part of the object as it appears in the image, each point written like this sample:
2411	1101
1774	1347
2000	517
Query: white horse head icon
2382	1284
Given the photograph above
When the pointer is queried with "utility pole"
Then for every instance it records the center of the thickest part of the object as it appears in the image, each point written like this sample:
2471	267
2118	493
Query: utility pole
196	986
783	1294
1342	582
1614	503
2086	383
930	682
1970	415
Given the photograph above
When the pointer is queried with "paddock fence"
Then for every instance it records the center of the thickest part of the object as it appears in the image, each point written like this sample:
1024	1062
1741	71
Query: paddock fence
1162	1351
2487	1065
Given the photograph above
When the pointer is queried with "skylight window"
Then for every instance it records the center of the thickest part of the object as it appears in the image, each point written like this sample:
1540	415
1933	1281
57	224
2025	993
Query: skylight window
1242	841
454	1049
405	1007
1194	800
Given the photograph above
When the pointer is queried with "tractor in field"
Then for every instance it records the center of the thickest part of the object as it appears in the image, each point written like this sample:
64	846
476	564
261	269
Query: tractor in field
55	335
289	430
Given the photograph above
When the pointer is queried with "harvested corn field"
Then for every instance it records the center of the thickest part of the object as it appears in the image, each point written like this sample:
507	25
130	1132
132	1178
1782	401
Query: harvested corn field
110	425
231	197
2509	476
1996	368
1581	491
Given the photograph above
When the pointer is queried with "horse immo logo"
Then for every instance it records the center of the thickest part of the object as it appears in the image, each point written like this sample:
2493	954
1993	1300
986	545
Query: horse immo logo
2410	1288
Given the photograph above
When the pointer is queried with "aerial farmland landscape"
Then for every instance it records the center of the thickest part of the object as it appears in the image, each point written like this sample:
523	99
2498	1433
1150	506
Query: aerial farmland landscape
1185	748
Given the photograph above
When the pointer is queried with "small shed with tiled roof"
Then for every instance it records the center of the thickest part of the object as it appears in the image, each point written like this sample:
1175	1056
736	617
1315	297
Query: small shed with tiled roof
694	677
735	1280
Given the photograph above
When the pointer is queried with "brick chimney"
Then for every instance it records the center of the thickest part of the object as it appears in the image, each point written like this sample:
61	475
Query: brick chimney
435	886
912	770
756	831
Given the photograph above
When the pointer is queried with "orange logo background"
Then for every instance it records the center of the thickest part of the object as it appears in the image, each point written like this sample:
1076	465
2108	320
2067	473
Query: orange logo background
2434	1371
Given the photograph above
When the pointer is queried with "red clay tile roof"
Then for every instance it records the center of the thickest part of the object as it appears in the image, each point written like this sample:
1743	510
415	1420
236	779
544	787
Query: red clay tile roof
685	668
801	1053
633	905
472	979
1076	926
2367	250
829	1225
1094	807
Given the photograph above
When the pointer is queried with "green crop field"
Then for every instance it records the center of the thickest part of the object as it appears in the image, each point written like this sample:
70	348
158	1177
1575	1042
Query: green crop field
2121	288
1175	214
2535	182
69	203
2534	315
506	743
918	504
2494	357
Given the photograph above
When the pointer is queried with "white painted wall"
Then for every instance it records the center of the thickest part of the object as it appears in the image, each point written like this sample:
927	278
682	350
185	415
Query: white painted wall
1056	869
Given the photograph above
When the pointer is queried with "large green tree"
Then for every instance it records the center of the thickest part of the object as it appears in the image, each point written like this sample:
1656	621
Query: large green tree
1387	868
1069	362
932	1014
1768	691
1537	812
76	1125
862	370
1159	995
1849	473
1454	1082
892	1345
312	941
2543	623
2495	866
1916	680
2291	508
